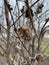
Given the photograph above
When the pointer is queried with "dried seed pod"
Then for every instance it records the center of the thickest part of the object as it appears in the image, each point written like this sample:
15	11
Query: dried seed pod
39	9
39	57
9	7
22	10
27	13
1	53
25	32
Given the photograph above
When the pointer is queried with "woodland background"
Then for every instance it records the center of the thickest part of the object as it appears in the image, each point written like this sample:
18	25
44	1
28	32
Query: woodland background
24	31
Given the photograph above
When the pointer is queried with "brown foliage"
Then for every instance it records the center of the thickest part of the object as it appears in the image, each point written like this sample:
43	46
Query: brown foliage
25	32
39	57
1	53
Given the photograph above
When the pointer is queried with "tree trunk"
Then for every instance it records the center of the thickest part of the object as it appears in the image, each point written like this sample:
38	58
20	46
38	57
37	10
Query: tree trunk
8	28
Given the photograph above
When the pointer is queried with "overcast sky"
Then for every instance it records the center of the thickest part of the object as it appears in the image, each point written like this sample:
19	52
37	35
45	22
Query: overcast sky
12	2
